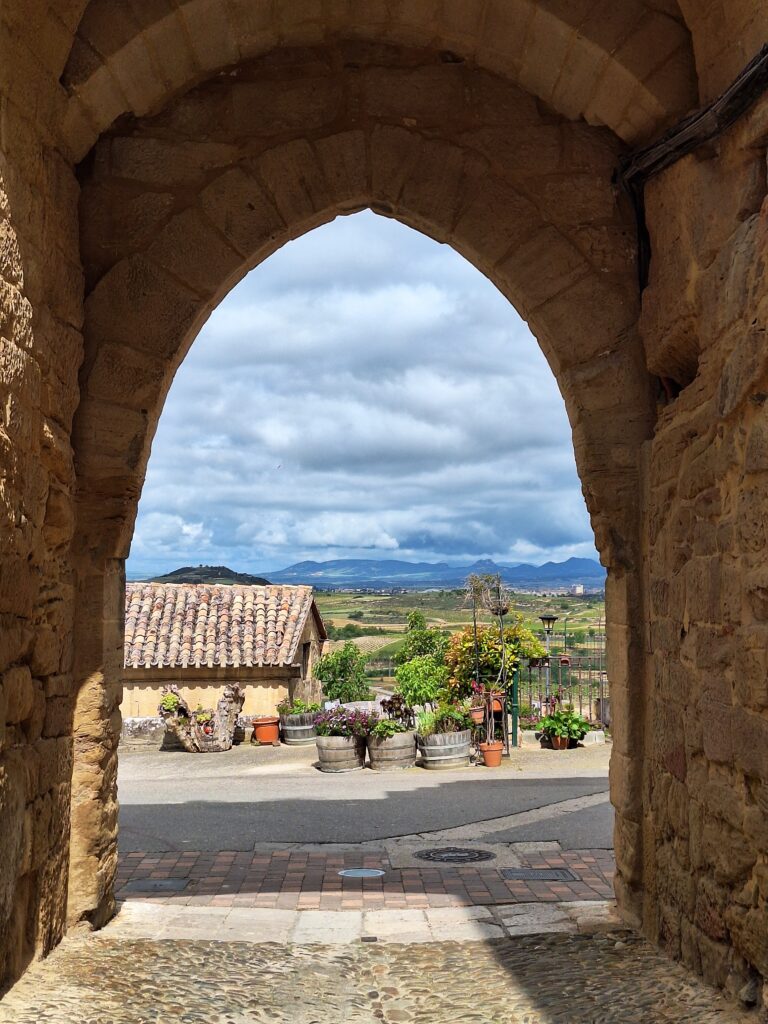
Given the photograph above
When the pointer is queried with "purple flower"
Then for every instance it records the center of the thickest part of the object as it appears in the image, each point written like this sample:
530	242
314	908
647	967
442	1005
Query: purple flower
343	722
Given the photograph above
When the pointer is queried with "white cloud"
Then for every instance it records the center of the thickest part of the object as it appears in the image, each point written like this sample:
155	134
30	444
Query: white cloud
365	390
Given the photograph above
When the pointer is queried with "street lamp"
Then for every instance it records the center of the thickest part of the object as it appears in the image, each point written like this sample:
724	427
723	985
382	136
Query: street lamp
548	621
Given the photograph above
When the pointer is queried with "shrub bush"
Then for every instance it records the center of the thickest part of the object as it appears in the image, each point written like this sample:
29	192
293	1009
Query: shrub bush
421	680
342	674
445	718
460	656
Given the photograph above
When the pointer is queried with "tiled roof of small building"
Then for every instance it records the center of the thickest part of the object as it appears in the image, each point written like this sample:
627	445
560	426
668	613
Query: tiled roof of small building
184	625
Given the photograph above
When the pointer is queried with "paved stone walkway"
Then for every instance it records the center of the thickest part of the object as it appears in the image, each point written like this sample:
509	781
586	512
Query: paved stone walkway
542	979
307	879
472	924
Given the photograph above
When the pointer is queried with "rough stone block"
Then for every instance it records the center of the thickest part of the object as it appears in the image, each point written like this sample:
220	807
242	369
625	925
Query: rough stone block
241	210
19	693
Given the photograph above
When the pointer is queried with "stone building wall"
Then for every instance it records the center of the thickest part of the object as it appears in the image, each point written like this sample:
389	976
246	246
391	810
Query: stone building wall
495	126
263	688
705	324
41	292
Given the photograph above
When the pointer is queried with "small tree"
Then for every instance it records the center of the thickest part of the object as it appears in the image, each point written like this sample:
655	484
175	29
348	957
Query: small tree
422	680
342	674
432	641
463	655
416	620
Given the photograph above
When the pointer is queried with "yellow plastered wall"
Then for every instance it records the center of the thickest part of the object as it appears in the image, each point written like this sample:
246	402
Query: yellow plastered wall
264	688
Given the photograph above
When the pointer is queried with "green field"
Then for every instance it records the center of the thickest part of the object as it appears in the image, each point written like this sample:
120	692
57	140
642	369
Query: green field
580	619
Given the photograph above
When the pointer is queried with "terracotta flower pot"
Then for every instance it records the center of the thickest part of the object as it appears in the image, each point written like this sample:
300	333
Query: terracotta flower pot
478	715
559	742
266	730
491	753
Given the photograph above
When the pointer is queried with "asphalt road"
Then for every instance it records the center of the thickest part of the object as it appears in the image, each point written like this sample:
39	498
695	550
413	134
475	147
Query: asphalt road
177	801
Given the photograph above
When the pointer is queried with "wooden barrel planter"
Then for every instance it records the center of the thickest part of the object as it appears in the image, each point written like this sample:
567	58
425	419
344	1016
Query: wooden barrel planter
298	729
398	751
340	753
445	749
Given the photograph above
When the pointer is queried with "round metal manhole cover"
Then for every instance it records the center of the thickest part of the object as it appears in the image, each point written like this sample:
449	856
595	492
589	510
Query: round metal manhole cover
361	873
455	855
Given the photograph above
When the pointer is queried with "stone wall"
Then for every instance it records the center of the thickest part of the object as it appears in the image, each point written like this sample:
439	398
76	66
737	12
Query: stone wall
41	292
705	323
207	134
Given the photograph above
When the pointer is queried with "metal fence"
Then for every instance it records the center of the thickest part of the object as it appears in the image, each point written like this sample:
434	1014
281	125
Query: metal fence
546	684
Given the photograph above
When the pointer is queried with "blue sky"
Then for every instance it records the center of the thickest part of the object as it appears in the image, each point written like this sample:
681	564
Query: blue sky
365	393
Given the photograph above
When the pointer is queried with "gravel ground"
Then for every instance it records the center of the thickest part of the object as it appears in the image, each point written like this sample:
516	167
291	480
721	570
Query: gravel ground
547	979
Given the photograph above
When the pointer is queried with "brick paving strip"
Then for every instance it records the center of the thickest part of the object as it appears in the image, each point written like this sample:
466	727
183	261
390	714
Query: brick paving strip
297	879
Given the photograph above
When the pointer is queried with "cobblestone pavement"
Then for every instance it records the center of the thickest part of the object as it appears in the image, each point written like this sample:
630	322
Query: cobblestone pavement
550	979
306	879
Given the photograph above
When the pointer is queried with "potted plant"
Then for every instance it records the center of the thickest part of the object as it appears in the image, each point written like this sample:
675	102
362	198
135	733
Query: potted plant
444	737
477	708
297	721
392	741
529	718
266	730
341	738
561	727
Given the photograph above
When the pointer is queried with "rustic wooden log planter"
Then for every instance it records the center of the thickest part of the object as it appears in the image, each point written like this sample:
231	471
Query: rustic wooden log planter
206	736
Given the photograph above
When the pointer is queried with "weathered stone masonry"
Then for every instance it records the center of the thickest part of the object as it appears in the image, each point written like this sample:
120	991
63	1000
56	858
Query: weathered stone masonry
151	153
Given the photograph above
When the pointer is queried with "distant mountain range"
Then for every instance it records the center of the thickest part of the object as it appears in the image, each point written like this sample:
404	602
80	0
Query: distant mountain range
353	573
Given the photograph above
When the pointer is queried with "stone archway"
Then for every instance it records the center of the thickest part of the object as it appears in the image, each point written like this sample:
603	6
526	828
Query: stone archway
175	208
675	477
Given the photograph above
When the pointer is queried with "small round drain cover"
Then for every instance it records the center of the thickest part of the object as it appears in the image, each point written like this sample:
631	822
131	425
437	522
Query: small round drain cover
455	855
361	873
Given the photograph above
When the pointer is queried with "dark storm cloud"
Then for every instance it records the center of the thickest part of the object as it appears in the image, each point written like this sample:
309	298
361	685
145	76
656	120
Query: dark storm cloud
365	392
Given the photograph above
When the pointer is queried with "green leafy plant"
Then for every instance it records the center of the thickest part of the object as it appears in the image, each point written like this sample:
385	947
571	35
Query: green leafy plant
170	702
203	717
564	723
445	718
422	680
296	707
418	642
342	674
387	727
416	620
460	655
528	717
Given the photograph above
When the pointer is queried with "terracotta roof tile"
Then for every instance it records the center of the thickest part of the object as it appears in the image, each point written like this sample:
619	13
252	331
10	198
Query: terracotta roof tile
181	625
